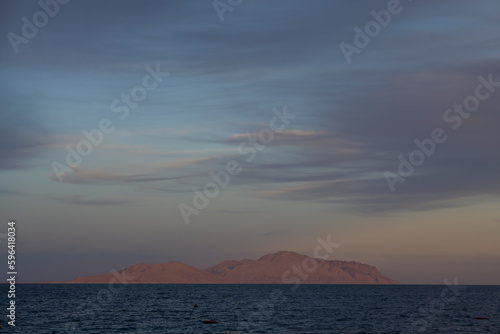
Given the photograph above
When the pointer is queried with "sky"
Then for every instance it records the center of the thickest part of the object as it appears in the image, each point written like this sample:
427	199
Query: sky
380	134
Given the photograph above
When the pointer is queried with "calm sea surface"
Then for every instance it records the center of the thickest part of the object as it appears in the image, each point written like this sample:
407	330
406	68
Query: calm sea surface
253	309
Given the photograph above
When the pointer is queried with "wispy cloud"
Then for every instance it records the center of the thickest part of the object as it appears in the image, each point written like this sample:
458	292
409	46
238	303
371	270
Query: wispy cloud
352	121
138	173
10	192
93	201
24	138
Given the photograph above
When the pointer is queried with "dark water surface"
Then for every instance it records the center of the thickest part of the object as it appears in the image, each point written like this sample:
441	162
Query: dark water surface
158	308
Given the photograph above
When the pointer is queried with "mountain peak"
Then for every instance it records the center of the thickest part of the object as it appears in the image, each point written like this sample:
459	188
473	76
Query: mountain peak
280	255
279	267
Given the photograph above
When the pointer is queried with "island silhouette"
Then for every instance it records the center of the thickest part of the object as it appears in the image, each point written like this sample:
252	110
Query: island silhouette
282	267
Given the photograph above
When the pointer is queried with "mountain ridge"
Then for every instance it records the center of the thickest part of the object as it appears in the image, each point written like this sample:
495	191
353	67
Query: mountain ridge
282	267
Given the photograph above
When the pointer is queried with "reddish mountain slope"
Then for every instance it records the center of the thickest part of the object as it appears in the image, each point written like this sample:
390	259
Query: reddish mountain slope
172	272
287	267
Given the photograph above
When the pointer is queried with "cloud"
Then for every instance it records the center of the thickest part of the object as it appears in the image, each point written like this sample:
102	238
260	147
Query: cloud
10	192
353	121
23	135
233	212
343	162
291	134
100	177
152	172
93	201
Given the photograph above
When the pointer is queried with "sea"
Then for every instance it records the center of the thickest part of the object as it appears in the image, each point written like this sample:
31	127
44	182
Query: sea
179	308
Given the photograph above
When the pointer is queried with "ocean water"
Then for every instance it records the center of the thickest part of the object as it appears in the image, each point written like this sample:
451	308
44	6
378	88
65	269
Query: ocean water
103	308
